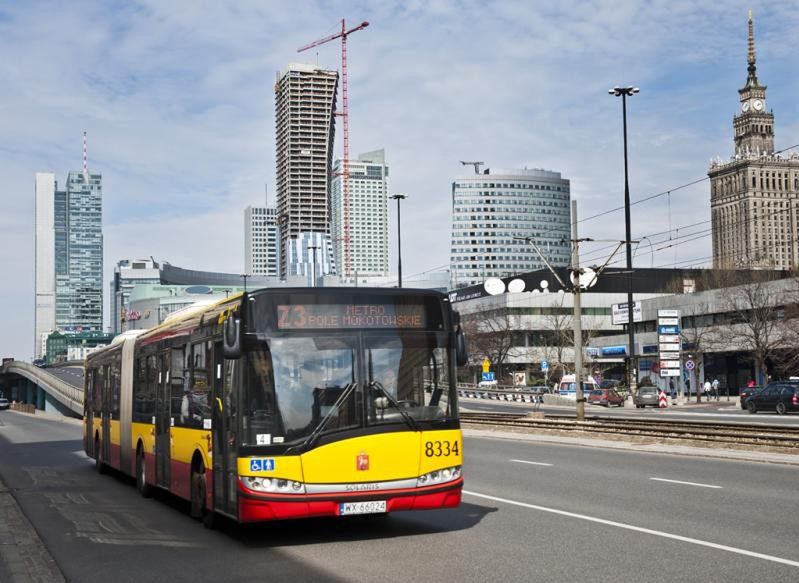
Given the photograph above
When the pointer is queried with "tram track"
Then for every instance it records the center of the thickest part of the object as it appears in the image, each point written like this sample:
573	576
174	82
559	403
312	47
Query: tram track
785	439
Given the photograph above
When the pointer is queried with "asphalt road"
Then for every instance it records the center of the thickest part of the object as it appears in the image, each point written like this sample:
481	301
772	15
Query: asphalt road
714	412
71	374
532	512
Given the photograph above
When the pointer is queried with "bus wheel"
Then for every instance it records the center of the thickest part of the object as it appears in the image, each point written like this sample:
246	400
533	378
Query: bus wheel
145	489
198	498
98	456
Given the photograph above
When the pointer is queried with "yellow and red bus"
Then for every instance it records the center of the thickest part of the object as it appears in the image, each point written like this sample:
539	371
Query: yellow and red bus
286	403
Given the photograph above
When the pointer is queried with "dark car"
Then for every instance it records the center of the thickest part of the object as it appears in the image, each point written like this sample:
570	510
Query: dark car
605	397
4	403
646	395
780	397
747	392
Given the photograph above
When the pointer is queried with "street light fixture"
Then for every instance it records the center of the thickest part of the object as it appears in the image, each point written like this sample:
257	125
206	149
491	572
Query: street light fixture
398	198
245	277
624	93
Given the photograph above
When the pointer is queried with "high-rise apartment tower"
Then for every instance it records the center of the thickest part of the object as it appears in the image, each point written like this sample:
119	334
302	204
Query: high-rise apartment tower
493	210
368	212
754	197
305	102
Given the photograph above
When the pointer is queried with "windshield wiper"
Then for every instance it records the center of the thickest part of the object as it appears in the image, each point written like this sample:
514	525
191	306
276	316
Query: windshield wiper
410	421
314	436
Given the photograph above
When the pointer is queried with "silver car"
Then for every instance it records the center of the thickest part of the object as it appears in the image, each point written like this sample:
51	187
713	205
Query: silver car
646	396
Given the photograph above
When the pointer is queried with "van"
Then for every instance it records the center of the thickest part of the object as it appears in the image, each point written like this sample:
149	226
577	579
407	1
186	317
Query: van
568	388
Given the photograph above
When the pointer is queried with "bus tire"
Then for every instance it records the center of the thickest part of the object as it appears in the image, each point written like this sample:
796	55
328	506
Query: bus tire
99	465
145	489
198	498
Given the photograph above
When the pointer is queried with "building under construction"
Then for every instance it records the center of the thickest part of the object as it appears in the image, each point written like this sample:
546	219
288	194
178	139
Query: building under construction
305	102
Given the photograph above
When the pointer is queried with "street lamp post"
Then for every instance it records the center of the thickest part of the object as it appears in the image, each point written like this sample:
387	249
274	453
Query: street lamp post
244	277
624	93
398	198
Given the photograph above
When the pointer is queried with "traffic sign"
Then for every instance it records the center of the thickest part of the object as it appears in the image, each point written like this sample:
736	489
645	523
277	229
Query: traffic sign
488	376
690	365
486	365
544	365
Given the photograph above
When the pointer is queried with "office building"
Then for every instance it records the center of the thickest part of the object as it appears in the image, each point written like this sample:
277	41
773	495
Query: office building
492	214
129	273
367	255
754	196
305	102
311	254
261	241
44	315
69	255
79	254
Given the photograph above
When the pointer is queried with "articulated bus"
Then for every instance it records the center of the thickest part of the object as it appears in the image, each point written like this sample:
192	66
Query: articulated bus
286	403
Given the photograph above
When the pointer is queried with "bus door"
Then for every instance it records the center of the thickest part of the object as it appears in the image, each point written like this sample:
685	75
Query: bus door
105	418
162	421
224	433
88	408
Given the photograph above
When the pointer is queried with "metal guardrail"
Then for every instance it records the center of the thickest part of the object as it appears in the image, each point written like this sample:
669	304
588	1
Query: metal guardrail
68	395
783	438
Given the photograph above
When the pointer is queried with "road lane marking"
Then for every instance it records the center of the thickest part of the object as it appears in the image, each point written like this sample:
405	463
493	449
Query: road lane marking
685	483
640	529
531	463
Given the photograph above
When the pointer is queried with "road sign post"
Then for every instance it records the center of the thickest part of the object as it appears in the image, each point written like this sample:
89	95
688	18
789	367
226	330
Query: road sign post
669	347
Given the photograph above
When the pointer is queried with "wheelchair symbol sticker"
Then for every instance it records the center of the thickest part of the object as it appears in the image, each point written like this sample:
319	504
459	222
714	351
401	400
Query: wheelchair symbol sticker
262	465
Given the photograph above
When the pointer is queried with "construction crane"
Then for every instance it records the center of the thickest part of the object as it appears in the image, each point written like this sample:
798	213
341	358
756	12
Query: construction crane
475	164
344	114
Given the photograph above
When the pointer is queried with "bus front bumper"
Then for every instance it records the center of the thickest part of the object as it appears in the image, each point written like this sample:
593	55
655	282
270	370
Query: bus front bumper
255	507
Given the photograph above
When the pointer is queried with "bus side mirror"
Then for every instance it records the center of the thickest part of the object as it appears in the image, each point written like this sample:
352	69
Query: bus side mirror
461	354
231	338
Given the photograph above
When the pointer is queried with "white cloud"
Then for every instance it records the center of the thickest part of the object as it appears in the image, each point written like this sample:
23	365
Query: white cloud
177	98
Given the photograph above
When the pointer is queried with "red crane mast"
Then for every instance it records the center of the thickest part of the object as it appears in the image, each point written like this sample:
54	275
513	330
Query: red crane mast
344	114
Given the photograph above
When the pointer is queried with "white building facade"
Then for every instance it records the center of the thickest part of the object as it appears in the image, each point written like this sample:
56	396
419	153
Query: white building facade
366	227
261	241
44	315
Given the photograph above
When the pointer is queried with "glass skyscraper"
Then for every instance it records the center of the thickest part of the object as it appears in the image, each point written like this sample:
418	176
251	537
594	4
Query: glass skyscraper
493	210
79	254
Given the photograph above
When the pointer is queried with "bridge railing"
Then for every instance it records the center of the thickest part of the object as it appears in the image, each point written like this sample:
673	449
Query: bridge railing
68	395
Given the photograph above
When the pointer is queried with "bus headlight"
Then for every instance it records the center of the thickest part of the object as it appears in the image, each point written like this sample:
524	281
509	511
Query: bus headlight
273	485
439	476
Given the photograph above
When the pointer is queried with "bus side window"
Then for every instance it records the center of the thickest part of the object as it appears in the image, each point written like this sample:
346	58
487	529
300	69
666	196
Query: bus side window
177	379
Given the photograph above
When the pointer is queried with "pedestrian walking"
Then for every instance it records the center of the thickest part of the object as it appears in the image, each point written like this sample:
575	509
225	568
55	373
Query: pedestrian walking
706	390
716	391
672	390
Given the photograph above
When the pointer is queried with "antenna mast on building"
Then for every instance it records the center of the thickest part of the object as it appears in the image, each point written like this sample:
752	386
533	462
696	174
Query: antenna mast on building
345	173
475	164
85	159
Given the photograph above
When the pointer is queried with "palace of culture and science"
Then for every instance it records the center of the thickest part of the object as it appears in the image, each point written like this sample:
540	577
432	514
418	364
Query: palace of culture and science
754	197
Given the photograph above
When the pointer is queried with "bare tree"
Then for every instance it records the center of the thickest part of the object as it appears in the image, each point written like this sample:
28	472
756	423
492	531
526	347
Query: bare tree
491	335
757	323
698	334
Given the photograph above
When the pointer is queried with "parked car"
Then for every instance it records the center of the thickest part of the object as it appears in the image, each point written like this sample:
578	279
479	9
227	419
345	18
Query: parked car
747	392
606	398
646	395
4	404
780	397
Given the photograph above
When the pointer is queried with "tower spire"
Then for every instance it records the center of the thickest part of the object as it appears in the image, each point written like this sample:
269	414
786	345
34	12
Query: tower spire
751	56
85	159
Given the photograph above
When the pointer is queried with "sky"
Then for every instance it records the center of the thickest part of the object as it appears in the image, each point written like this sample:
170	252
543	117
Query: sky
177	99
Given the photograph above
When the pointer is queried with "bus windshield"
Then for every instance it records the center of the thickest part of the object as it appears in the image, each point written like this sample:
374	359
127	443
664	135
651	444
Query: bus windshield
298	385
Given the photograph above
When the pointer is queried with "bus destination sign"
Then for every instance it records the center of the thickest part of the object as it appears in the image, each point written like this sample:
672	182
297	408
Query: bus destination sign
316	316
